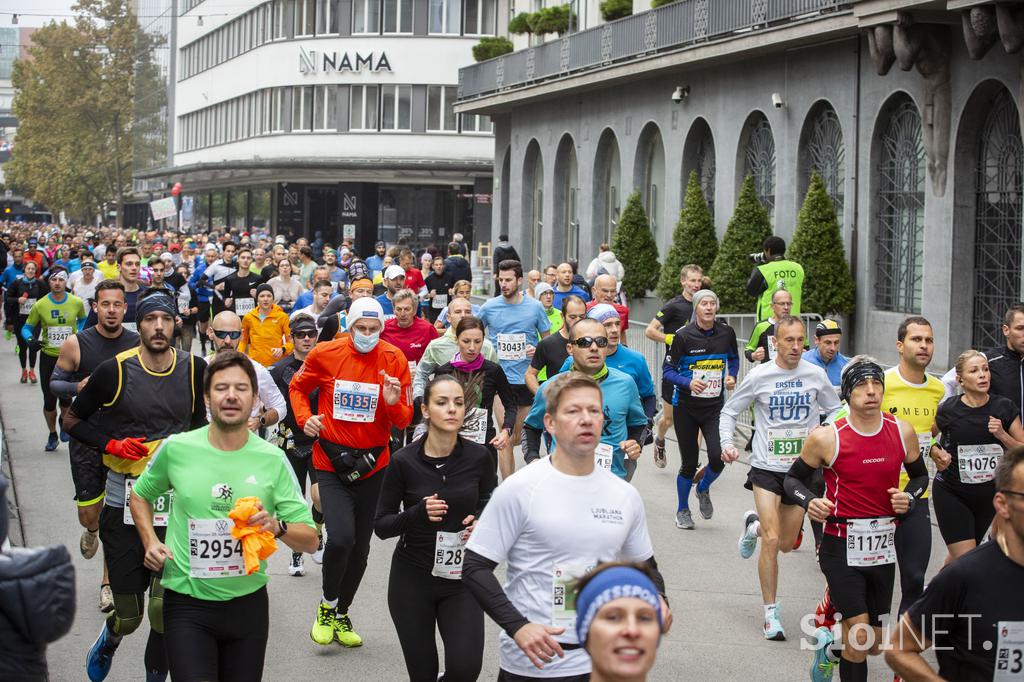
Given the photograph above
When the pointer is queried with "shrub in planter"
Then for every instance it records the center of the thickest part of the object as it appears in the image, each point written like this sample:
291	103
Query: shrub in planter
616	9
491	47
633	244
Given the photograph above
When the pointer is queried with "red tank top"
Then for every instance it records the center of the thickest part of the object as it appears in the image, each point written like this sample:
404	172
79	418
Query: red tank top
863	470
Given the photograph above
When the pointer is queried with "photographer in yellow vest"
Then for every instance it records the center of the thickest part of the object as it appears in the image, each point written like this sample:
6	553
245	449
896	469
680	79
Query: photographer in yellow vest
772	271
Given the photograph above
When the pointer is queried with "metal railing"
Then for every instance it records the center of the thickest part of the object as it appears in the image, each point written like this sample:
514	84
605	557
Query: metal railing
677	25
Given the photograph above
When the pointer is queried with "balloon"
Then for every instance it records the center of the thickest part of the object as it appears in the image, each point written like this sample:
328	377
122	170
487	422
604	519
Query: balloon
176	190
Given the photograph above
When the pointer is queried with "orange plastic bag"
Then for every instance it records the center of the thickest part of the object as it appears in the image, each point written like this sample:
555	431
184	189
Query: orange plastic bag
256	544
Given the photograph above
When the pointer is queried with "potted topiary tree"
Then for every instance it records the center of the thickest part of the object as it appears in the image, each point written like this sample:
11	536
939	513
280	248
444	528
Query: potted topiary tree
693	240
616	9
747	230
633	245
490	47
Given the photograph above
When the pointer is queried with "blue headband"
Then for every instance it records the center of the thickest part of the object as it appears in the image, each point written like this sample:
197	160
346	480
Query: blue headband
618	582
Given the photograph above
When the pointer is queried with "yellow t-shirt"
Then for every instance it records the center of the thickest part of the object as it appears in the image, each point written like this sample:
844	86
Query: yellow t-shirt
916	404
110	271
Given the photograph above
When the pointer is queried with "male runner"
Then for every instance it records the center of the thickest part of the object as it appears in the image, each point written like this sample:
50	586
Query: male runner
624	420
553	351
762	344
240	288
828	335
1005	362
394	280
514	322
79	357
410	334
129	405
701	362
623	358
128	265
550	524
863	454
606	290
662	329
54	318
565	286
973	610
788	397
364	392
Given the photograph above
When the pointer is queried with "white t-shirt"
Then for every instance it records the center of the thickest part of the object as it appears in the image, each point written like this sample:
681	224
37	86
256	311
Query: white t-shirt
541	519
82	290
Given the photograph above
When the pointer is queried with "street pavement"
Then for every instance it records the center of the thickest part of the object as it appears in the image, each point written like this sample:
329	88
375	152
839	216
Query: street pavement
715	596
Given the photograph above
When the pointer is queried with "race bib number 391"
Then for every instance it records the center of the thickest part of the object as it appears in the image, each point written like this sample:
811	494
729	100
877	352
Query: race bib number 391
785	444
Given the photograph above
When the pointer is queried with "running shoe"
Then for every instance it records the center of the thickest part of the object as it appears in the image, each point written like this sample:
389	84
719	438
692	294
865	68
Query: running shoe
825	613
707	509
822	667
32	376
89	543
101	655
64	435
684	519
8	335
773	626
156	676
296	568
323	627
659	452
318	555
24	376
345	634
51	442
799	540
748	539
106	599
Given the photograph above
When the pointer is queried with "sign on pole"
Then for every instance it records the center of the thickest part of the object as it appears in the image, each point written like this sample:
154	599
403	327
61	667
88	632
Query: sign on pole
163	208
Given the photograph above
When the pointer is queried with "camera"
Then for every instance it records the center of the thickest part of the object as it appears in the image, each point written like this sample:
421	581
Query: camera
680	93
777	100
757	258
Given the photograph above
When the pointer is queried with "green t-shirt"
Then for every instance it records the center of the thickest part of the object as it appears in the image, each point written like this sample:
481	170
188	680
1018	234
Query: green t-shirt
56	321
207	482
555	318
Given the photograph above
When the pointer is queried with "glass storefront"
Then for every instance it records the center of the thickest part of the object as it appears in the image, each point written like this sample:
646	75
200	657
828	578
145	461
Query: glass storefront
424	216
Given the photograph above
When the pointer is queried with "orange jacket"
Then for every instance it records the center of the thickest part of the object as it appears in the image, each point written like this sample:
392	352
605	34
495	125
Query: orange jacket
339	360
259	337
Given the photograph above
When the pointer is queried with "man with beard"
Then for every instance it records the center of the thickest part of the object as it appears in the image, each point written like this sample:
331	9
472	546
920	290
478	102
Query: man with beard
129	405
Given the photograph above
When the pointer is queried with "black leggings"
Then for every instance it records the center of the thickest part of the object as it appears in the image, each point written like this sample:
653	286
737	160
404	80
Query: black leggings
24	352
913	549
216	641
348	511
418	601
689	421
300	457
964	511
50	400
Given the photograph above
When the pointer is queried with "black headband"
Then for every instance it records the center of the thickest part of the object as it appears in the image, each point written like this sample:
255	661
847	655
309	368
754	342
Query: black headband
157	301
859	371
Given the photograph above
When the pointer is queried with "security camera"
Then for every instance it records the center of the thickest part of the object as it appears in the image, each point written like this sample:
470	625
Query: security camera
681	93
777	100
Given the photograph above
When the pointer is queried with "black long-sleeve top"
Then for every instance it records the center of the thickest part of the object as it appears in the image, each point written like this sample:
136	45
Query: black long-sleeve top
464	479
494	382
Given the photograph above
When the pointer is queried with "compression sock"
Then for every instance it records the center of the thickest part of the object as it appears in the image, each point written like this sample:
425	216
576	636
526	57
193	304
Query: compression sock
333	603
709	477
683	486
853	672
155	657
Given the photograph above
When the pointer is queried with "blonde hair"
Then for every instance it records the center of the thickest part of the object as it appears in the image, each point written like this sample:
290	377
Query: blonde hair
962	359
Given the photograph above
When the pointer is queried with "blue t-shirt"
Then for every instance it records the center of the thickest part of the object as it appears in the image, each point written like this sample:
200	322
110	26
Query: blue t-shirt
375	263
305	299
574	291
630	362
11	273
833	369
387	305
526	317
622	409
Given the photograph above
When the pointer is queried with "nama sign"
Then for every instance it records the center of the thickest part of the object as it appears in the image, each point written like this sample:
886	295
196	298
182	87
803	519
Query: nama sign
311	61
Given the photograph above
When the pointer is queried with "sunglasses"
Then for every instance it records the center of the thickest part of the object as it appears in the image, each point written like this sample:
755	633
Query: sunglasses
226	334
304	335
588	341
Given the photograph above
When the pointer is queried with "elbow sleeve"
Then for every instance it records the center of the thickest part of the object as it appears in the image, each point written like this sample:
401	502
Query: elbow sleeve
531	443
918	473
62	384
797	482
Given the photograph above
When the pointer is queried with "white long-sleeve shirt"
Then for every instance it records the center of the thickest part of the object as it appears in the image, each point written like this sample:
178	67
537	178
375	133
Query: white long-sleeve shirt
270	396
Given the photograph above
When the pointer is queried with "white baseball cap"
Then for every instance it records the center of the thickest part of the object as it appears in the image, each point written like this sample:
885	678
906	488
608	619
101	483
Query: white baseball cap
394	271
367	307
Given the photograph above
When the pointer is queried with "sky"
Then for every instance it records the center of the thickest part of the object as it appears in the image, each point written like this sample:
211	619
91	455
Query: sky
35	12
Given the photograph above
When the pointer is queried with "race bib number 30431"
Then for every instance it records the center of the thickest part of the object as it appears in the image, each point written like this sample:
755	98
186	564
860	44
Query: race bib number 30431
511	346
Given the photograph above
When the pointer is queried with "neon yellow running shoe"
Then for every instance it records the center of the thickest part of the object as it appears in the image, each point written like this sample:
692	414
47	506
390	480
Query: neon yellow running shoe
324	625
346	636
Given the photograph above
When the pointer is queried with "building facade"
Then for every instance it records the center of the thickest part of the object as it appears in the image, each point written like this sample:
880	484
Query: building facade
909	110
330	116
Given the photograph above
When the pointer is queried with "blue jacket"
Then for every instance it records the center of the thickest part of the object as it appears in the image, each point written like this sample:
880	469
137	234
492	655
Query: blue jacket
11	273
833	369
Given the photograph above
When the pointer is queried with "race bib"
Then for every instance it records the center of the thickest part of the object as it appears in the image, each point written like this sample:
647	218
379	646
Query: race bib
924	442
57	335
474	426
355	402
785	444
773	348
131	326
713	379
183	306
563	594
439	301
244	306
871	542
511	346
603	456
977	463
212	551
26	306
161	505
449	550
1010	652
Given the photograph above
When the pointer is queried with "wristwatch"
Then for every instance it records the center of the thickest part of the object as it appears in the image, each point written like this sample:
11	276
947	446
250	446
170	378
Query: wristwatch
282	528
263	419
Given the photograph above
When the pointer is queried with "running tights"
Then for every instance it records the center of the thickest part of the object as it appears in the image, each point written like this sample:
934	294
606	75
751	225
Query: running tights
913	549
25	354
689	422
348	511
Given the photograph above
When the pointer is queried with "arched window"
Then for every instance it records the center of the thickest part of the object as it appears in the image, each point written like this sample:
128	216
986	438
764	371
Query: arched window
822	150
533	201
997	220
607	185
900	199
567	230
759	160
699	156
649	174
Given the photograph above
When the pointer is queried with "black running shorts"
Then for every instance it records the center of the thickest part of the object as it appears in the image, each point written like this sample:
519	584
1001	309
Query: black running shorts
87	472
770	481
856	589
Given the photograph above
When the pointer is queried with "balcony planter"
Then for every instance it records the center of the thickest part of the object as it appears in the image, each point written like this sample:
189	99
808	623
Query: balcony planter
491	47
616	9
550	20
658	3
520	24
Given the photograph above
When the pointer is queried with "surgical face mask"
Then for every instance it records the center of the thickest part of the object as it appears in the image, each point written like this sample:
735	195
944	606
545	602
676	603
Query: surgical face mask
364	343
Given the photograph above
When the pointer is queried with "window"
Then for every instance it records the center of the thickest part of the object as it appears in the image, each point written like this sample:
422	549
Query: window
305	17
364	109
444	16
481	17
440	108
476	123
395	107
277	111
280	7
325	109
759	158
326	18
302	108
366	16
398	16
900	238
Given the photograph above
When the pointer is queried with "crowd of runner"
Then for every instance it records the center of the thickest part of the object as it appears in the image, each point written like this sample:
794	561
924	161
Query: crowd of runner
207	385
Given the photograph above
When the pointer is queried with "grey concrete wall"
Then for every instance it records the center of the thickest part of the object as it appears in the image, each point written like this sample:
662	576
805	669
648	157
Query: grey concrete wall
841	73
